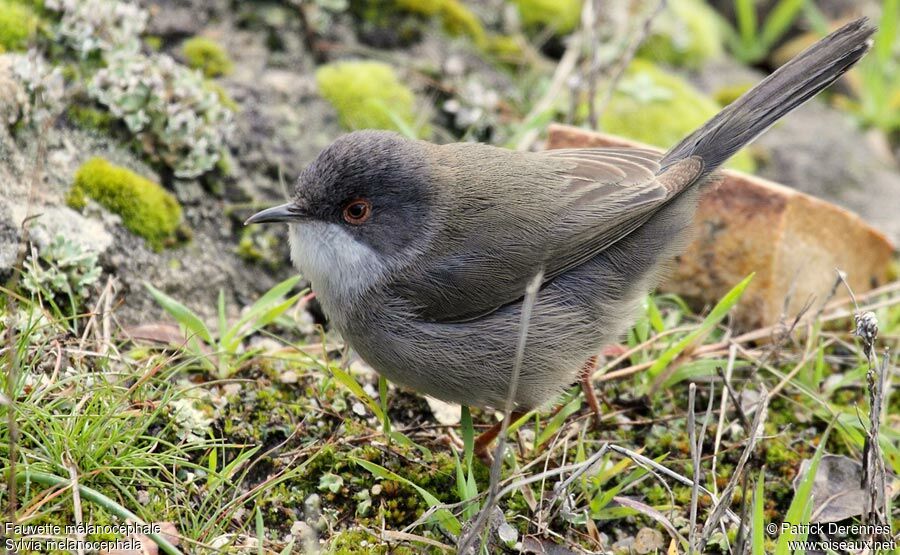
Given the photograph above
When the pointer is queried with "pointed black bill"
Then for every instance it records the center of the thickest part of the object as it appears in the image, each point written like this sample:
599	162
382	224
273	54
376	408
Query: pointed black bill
281	213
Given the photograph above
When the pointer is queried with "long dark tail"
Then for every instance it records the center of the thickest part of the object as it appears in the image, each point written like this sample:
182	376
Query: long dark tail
781	92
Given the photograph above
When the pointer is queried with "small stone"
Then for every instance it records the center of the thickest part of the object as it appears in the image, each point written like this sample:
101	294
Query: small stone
648	540
288	376
445	413
359	409
507	533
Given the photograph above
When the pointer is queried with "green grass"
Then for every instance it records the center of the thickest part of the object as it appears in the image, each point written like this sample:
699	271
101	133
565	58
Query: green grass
235	463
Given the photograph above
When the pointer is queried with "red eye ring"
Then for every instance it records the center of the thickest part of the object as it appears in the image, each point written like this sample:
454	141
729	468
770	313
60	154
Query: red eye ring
357	211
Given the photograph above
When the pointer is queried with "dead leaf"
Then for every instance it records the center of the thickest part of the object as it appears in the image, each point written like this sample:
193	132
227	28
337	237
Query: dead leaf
533	545
148	546
163	334
836	491
647	541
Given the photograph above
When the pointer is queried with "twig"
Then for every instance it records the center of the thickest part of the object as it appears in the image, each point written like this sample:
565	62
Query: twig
695	464
76	503
644	461
590	19
624	61
12	375
468	540
560	76
721	506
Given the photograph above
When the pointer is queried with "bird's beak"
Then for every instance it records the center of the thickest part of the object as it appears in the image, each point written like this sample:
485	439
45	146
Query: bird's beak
281	213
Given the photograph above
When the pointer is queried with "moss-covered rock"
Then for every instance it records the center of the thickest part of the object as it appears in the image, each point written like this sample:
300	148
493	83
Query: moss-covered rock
561	16
145	207
367	95
18	24
659	108
687	33
208	56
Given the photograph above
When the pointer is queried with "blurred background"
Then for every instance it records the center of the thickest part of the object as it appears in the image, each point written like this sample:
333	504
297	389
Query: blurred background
202	111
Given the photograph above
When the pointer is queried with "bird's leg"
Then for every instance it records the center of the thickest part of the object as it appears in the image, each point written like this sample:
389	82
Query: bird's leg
484	440
588	387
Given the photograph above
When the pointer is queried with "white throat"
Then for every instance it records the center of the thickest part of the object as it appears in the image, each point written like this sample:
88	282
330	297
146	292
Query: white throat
339	267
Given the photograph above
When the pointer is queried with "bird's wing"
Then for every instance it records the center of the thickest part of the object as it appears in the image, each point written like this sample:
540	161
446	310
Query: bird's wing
593	198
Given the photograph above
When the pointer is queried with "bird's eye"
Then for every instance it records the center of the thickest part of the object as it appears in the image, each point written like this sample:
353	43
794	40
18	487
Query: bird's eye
357	211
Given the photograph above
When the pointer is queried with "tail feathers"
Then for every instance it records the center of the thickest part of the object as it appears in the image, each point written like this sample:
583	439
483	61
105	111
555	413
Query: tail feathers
780	93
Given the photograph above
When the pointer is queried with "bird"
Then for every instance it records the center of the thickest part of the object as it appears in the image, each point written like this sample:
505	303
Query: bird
420	254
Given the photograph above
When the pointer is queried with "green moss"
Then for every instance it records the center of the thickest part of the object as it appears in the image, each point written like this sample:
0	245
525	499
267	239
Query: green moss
207	56
457	19
90	118
154	42
224	98
560	15
259	247
727	95
145	207
659	108
687	33
356	541
779	454
506	48
18	25
366	95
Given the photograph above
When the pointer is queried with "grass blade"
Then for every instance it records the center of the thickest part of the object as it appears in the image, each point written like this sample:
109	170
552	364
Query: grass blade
444	517
182	314
758	538
714	317
801	505
347	381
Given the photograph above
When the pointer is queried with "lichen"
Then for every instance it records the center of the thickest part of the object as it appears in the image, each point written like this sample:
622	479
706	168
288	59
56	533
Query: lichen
367	95
31	91
18	25
89	26
561	16
687	33
177	117
659	108
208	56
146	209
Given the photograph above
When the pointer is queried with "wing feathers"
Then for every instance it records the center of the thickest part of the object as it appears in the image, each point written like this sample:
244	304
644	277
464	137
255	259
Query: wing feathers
589	199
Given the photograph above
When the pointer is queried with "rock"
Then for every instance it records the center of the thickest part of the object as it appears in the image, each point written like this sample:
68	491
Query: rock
177	18
791	240
50	221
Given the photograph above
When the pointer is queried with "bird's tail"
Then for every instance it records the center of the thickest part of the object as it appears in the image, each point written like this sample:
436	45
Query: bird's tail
781	92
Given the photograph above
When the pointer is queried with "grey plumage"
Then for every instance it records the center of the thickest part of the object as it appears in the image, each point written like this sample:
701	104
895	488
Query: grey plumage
429	289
